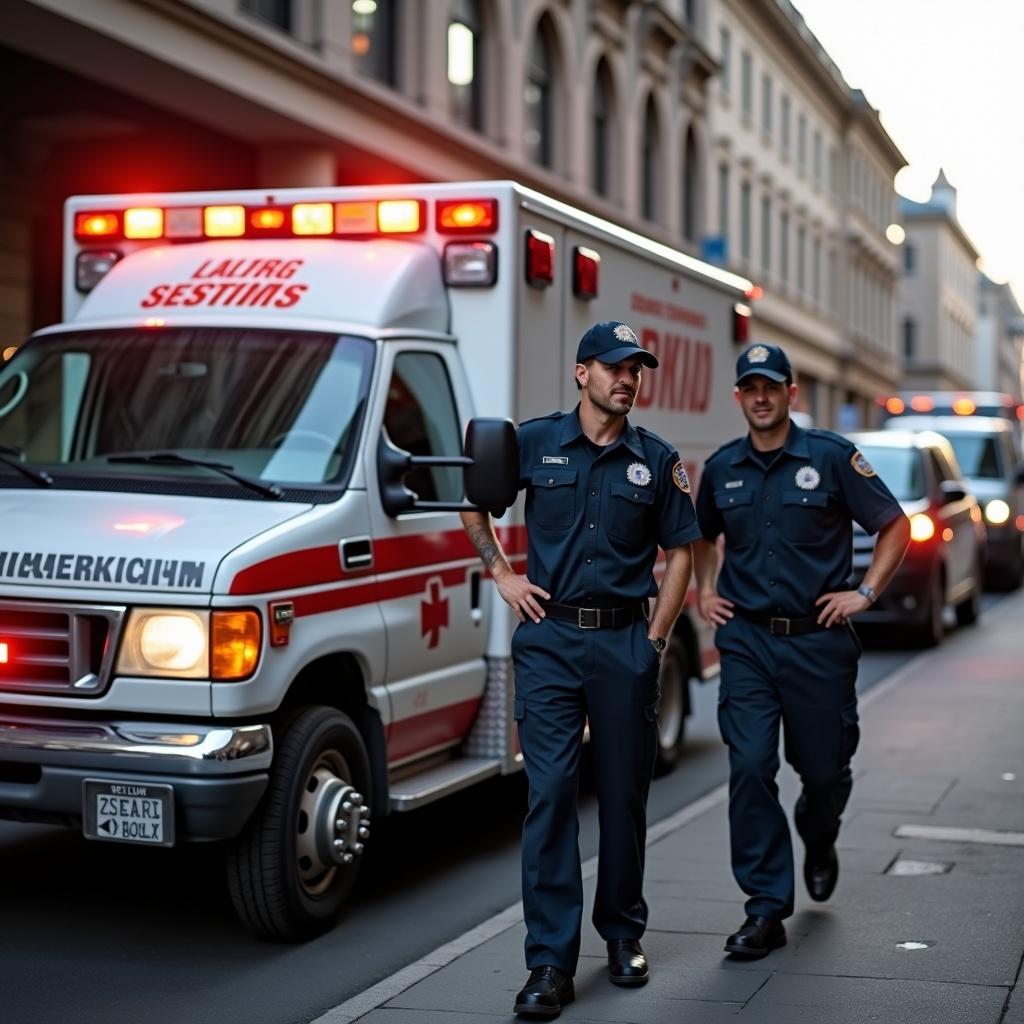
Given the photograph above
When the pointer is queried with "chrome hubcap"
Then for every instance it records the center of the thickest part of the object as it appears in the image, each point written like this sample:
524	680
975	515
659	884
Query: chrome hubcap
333	823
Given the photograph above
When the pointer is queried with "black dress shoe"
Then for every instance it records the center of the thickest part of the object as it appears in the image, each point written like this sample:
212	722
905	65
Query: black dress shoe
821	871
546	991
627	964
756	938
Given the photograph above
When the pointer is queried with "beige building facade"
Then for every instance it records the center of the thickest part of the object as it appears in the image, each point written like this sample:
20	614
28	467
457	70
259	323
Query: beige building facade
999	340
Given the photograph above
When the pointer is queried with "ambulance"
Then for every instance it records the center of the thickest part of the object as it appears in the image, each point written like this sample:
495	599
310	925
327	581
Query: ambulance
236	600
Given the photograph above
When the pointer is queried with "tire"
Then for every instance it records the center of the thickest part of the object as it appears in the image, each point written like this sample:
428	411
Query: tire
933	629
968	610
293	867
674	705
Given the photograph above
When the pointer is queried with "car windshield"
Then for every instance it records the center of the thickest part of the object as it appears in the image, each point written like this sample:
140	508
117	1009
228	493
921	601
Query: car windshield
978	456
280	406
900	469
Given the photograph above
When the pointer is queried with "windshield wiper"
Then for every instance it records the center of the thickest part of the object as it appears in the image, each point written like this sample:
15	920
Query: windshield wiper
174	459
11	456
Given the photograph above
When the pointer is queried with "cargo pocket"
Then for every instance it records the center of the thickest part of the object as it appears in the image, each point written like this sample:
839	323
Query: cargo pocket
630	513
554	498
736	510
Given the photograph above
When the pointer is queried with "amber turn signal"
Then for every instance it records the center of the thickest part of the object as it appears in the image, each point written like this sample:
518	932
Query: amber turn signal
234	645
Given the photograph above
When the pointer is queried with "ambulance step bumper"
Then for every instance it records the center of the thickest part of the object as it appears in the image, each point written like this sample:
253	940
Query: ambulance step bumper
440	781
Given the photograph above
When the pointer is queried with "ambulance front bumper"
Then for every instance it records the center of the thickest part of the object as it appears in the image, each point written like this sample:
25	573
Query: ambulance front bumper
217	772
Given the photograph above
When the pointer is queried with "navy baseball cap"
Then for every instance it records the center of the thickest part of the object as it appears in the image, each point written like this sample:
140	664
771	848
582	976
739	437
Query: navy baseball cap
764	361
611	342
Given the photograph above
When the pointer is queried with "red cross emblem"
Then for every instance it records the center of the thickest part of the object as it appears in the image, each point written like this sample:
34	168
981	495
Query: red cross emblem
433	614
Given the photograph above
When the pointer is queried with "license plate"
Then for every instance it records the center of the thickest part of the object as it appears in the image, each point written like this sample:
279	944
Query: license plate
128	812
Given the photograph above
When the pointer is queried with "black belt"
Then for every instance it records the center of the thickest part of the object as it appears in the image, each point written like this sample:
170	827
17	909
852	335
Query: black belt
781	626
596	618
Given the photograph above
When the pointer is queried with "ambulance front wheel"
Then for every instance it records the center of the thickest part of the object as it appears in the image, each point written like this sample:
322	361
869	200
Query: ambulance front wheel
293	867
674	706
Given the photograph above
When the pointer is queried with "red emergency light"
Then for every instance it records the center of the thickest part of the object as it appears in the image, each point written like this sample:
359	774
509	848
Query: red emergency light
540	259
922	403
740	323
586	263
92	225
467	216
5	653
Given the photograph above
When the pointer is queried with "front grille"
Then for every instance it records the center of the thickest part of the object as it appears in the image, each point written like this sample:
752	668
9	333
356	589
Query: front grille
57	649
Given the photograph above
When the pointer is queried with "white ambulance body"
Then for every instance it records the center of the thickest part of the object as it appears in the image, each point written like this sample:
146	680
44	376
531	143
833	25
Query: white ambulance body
260	650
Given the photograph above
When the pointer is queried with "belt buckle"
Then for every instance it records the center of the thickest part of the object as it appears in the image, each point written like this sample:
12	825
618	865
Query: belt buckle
779	627
595	612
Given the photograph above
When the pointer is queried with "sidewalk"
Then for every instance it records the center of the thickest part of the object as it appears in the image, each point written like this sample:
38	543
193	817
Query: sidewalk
942	746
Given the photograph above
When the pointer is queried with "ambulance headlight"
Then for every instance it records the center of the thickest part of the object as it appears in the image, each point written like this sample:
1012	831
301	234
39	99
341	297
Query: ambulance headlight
470	264
92	266
167	642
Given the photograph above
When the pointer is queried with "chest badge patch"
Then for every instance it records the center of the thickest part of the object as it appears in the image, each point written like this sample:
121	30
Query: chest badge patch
861	465
807	478
730	484
623	333
555	460
758	354
638	474
680	479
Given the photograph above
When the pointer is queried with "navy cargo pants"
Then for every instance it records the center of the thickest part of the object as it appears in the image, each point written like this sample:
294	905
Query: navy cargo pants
808	683
565	676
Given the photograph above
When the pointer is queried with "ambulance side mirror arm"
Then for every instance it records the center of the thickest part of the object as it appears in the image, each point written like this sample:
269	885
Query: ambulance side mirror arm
490	471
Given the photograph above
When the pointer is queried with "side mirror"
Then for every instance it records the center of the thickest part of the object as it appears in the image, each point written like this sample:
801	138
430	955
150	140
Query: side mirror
492	476
952	490
490	471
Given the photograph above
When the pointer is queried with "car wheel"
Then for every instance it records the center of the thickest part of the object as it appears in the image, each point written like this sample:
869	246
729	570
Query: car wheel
293	867
932	630
674	705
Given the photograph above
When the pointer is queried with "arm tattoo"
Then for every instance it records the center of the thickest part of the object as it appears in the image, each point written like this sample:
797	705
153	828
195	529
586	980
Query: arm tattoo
485	545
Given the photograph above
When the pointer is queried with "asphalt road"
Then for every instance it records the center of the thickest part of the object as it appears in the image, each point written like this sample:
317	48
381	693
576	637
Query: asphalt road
94	933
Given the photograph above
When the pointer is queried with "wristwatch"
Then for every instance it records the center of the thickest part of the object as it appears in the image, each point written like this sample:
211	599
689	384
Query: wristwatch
868	593
659	643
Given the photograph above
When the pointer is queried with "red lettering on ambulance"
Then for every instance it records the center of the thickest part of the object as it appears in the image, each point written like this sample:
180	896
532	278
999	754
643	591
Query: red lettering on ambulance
292	294
155	297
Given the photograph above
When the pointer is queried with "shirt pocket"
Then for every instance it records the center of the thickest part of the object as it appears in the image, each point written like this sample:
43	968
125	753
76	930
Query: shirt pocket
806	517
737	512
629	517
554	498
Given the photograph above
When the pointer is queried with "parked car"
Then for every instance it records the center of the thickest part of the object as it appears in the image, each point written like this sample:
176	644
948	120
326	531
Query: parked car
945	561
985	449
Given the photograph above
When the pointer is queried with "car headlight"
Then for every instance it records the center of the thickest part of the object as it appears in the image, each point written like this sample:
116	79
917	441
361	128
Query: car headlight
997	512
166	642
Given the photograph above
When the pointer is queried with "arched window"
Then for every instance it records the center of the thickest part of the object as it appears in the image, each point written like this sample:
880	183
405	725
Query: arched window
651	162
691	175
465	42
373	38
539	99
603	131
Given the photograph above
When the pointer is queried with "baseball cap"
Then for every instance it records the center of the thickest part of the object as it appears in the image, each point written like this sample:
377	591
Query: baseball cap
764	361
611	342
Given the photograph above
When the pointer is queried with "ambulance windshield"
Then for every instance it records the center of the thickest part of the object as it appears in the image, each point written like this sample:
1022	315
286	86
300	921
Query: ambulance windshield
279	406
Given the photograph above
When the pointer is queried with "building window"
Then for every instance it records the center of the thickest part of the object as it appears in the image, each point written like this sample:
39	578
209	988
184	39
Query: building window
766	233
801	259
816	270
745	221
747	82
833	298
833	171
602	129
651	163
801	141
539	100
784	125
784	247
766	103
277	12
909	338
691	174
817	158
725	42
723	200
465	37
690	11
373	38
909	260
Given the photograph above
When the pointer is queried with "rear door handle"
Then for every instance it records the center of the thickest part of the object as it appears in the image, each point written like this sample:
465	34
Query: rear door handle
356	553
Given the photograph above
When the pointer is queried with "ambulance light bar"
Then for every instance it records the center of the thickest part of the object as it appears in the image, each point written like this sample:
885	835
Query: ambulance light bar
467	216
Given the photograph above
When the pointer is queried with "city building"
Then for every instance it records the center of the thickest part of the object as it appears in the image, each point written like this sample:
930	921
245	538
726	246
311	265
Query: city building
939	293
999	340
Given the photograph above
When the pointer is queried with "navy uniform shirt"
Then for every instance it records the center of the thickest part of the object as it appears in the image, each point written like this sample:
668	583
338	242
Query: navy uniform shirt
596	516
788	528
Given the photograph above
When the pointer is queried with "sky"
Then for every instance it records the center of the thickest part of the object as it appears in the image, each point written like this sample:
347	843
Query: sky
945	77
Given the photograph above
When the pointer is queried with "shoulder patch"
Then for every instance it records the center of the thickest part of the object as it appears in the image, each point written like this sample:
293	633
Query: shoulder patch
680	479
861	465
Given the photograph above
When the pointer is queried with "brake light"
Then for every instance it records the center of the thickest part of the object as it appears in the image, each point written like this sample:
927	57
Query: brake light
224	221
1020	412
143	222
399	216
921	527
97	225
540	259
740	323
964	407
313	218
895	406
922	403
460	216
586	264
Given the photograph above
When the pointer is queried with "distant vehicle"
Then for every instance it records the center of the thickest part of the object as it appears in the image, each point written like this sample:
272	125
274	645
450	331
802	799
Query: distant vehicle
985	450
959	404
802	419
945	562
